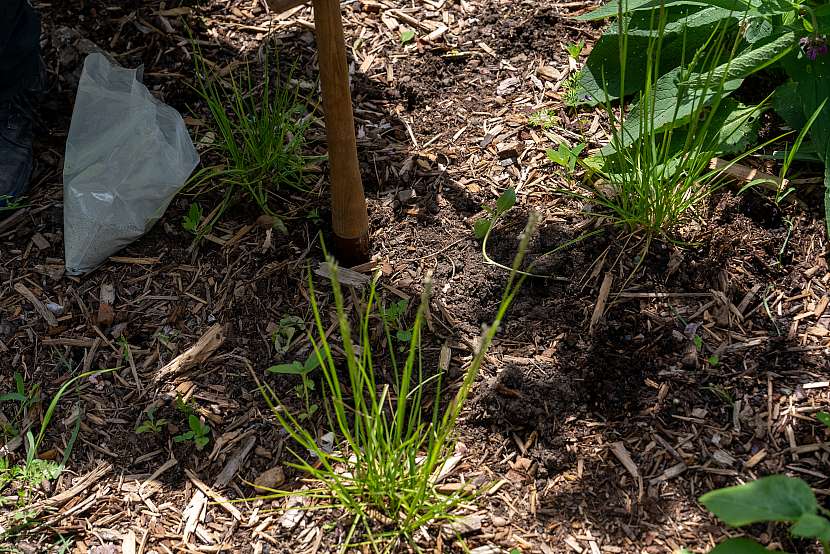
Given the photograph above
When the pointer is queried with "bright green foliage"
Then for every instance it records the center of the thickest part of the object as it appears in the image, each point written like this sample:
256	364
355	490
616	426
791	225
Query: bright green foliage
775	498
780	34
307	385
657	164
199	432
391	438
575	48
407	36
824	417
566	157
260	131
742	546
192	219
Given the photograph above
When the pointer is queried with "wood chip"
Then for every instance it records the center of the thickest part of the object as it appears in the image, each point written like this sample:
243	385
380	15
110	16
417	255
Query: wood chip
197	354
40	308
602	298
619	450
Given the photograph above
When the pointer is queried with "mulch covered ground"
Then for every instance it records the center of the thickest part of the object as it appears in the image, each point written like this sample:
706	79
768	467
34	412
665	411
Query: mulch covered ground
596	422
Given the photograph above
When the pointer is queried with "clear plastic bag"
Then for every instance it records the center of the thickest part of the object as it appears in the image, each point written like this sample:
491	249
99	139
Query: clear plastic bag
127	155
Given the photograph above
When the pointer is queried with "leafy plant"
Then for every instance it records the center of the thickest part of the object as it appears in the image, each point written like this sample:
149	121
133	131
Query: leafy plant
307	384
261	127
199	432
767	34
544	119
657	163
391	441
566	156
25	397
192	219
393	320
407	35
506	201
151	424
777	498
575	48
285	333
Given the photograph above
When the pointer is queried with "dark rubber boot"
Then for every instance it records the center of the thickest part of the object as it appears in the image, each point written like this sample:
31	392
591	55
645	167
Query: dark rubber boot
15	150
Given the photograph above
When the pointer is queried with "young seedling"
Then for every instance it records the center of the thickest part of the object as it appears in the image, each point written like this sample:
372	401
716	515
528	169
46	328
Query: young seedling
506	201
151	424
407	36
199	432
192	219
393	320
575	48
566	156
307	384
285	333
25	397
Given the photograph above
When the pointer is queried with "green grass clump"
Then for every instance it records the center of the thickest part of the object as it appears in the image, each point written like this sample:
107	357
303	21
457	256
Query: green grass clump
260	131
657	164
392	439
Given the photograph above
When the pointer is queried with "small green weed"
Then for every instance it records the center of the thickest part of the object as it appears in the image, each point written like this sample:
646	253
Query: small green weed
565	156
285	333
199	432
544	119
151	424
824	418
26	397
393	320
307	385
192	219
506	201
407	36
575	48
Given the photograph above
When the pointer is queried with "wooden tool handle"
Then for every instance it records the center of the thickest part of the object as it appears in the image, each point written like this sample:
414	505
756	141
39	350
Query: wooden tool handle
349	217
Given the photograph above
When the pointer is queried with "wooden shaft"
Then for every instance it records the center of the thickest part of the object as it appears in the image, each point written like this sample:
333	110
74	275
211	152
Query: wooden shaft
349	218
279	6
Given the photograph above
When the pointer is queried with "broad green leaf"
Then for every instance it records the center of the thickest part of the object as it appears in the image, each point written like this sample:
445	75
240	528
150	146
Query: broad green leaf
824	417
611	9
407	36
670	107
787	104
774	498
481	228
735	126
813	88
742	546
682	36
812	526
757	30
311	363
749	61
294	368
13	397
506	201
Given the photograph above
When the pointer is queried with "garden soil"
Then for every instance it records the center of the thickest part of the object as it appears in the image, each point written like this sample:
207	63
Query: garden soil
597	420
